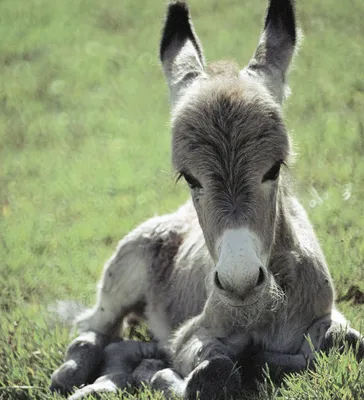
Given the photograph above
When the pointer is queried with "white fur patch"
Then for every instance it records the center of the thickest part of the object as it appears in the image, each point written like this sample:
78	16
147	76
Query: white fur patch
240	260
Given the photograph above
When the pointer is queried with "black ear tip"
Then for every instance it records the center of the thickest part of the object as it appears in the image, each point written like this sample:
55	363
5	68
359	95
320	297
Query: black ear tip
178	9
177	24
282	13
178	15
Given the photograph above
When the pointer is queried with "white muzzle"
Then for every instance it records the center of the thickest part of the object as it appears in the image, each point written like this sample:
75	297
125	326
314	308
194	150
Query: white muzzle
241	267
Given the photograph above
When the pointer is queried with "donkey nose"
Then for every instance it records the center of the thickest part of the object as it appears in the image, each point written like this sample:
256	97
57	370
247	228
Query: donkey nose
260	279
217	281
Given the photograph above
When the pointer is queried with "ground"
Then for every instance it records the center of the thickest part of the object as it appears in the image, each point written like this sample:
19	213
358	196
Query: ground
85	157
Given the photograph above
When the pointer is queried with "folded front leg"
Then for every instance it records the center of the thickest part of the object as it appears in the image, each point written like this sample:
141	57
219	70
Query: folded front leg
206	362
325	334
217	378
341	335
331	331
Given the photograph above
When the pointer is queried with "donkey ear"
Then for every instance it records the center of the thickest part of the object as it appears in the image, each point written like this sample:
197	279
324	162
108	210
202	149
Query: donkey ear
180	50
276	47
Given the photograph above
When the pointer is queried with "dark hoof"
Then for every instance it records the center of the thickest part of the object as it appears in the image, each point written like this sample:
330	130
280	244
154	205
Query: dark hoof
341	338
216	379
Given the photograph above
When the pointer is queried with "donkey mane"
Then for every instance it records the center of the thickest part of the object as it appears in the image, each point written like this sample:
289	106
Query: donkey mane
226	68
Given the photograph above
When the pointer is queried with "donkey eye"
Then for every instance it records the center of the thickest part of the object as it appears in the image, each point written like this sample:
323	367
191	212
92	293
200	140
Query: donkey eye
273	173
192	182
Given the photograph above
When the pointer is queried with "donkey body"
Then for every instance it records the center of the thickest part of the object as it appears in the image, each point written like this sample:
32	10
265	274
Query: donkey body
236	276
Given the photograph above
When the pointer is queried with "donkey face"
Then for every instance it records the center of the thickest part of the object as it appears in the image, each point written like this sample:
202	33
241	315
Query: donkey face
229	142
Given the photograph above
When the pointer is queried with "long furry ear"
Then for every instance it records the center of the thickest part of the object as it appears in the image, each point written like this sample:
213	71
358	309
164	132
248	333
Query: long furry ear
180	50
276	47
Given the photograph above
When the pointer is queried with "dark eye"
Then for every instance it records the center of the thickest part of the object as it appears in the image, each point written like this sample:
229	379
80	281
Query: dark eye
273	173
192	182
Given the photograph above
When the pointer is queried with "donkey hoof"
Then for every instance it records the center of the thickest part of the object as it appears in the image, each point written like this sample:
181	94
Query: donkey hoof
215	379
63	378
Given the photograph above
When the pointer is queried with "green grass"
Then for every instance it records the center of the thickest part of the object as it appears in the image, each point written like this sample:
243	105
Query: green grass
85	156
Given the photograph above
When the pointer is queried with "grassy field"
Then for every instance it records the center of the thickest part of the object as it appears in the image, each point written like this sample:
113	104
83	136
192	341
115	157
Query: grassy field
85	156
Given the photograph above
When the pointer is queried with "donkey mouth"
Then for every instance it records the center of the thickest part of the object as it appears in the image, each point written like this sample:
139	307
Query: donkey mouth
237	302
236	298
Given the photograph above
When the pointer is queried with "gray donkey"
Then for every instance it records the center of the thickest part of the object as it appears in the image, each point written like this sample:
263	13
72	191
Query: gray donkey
234	279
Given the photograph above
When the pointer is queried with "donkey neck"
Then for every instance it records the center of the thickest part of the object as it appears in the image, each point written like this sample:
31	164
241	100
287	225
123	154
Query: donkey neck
285	236
295	239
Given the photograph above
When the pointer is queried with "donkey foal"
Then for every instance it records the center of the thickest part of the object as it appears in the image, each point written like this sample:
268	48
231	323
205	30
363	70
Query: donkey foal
234	279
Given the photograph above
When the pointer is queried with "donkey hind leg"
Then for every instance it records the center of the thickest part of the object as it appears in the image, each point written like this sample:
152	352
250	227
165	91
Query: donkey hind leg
126	363
122	287
121	290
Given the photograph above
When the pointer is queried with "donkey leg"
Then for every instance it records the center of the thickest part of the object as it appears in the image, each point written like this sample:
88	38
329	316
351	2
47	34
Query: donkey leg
154	372
324	334
83	357
145	371
169	382
340	334
121	359
314	340
121	290
331	331
214	379
207	362
202	381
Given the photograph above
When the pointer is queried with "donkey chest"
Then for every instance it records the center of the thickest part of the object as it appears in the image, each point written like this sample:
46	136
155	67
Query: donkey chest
177	289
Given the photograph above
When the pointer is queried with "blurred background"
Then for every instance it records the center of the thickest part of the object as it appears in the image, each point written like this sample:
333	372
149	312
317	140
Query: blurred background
85	149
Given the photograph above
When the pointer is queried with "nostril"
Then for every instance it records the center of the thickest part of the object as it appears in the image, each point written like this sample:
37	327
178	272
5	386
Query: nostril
261	277
217	281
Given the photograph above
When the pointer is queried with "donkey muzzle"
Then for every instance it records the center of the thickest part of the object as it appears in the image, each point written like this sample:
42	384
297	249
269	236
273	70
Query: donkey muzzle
240	270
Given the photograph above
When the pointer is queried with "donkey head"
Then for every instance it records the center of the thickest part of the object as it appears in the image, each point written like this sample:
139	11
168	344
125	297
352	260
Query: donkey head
229	142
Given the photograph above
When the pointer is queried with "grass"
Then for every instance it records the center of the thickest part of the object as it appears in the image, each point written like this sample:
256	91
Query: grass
85	156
